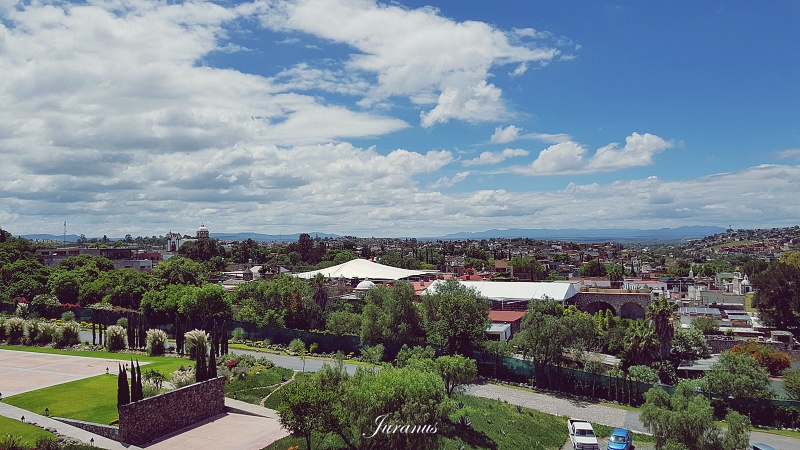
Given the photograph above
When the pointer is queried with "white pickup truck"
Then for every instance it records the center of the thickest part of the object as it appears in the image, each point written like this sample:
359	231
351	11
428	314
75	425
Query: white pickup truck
581	434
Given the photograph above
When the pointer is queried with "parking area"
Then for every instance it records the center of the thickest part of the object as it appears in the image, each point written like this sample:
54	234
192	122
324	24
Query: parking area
25	371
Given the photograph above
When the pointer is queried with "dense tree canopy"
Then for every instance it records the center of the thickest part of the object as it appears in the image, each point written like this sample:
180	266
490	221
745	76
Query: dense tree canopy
777	296
455	317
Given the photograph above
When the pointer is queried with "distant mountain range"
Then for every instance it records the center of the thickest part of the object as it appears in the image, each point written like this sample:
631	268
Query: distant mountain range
599	235
568	234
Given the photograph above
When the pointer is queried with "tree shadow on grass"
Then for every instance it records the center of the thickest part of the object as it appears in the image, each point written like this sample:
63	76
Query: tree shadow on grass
468	435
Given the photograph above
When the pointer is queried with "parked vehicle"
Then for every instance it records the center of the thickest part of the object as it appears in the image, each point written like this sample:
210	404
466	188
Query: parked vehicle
621	439
761	447
581	434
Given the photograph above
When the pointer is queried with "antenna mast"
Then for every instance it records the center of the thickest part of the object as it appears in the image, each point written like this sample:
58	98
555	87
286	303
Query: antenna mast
64	243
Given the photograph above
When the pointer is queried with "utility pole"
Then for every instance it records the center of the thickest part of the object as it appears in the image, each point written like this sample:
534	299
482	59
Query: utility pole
64	242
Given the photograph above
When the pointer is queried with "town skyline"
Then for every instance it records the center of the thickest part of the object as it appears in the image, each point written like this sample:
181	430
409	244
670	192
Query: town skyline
407	118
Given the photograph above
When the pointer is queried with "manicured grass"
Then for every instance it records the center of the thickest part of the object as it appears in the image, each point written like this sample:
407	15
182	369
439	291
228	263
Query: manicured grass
275	400
26	432
91	399
256	386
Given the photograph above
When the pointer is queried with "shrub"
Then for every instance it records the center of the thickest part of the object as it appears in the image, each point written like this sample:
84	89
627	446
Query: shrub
115	338
31	330
67	334
372	354
47	443
181	378
149	389
195	339
775	361
313	347
2	328
238	334
46	305
156	342
122	322
10	442
22	310
297	346
47	333
15	330
67	316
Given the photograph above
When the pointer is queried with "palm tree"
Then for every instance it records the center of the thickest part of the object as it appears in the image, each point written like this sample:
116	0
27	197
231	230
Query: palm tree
641	345
662	314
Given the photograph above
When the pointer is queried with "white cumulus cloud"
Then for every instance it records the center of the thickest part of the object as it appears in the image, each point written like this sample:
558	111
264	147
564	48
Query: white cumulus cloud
495	157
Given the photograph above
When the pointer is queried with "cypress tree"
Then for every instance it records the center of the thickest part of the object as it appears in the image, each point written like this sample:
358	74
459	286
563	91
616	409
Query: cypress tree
142	337
224	348
136	387
123	395
212	363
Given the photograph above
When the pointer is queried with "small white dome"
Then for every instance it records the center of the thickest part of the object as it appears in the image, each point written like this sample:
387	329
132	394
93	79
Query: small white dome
202	228
745	282
365	285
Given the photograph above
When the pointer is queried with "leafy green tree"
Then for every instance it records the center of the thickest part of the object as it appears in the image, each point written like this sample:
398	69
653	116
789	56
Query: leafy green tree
304	408
686	420
662	313
791	259
737	375
777	296
341	323
688	345
77	261
615	272
547	332
643	374
705	325
202	250
390	316
202	304
791	382
456	371
641	346
773	360
593	268
23	278
455	317
178	270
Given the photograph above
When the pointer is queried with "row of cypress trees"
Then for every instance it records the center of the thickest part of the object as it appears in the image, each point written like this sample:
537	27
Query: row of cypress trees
124	396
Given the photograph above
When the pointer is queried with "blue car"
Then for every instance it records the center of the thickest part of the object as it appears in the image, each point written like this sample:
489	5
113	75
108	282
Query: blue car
621	439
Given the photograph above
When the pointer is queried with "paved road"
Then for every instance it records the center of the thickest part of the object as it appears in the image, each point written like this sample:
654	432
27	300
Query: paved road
297	363
604	415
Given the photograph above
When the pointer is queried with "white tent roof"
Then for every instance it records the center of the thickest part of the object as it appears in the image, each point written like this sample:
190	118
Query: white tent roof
516	291
362	268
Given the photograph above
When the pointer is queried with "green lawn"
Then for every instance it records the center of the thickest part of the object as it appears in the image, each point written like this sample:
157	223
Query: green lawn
256	386
26	432
91	399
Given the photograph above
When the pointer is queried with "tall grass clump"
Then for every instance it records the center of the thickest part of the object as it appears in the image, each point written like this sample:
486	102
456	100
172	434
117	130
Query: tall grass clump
156	342
46	333
31	330
182	377
68	316
115	338
15	330
22	311
195	339
67	334
2	328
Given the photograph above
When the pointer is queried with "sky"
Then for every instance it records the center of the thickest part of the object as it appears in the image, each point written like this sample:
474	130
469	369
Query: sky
401	118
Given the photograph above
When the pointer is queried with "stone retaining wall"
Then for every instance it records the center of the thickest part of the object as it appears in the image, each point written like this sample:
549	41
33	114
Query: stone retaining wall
103	430
146	420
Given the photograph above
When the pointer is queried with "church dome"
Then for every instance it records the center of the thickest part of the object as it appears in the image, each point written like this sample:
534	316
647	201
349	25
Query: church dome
202	228
365	285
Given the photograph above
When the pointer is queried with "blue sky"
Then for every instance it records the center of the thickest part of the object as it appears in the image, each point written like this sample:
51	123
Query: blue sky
397	119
